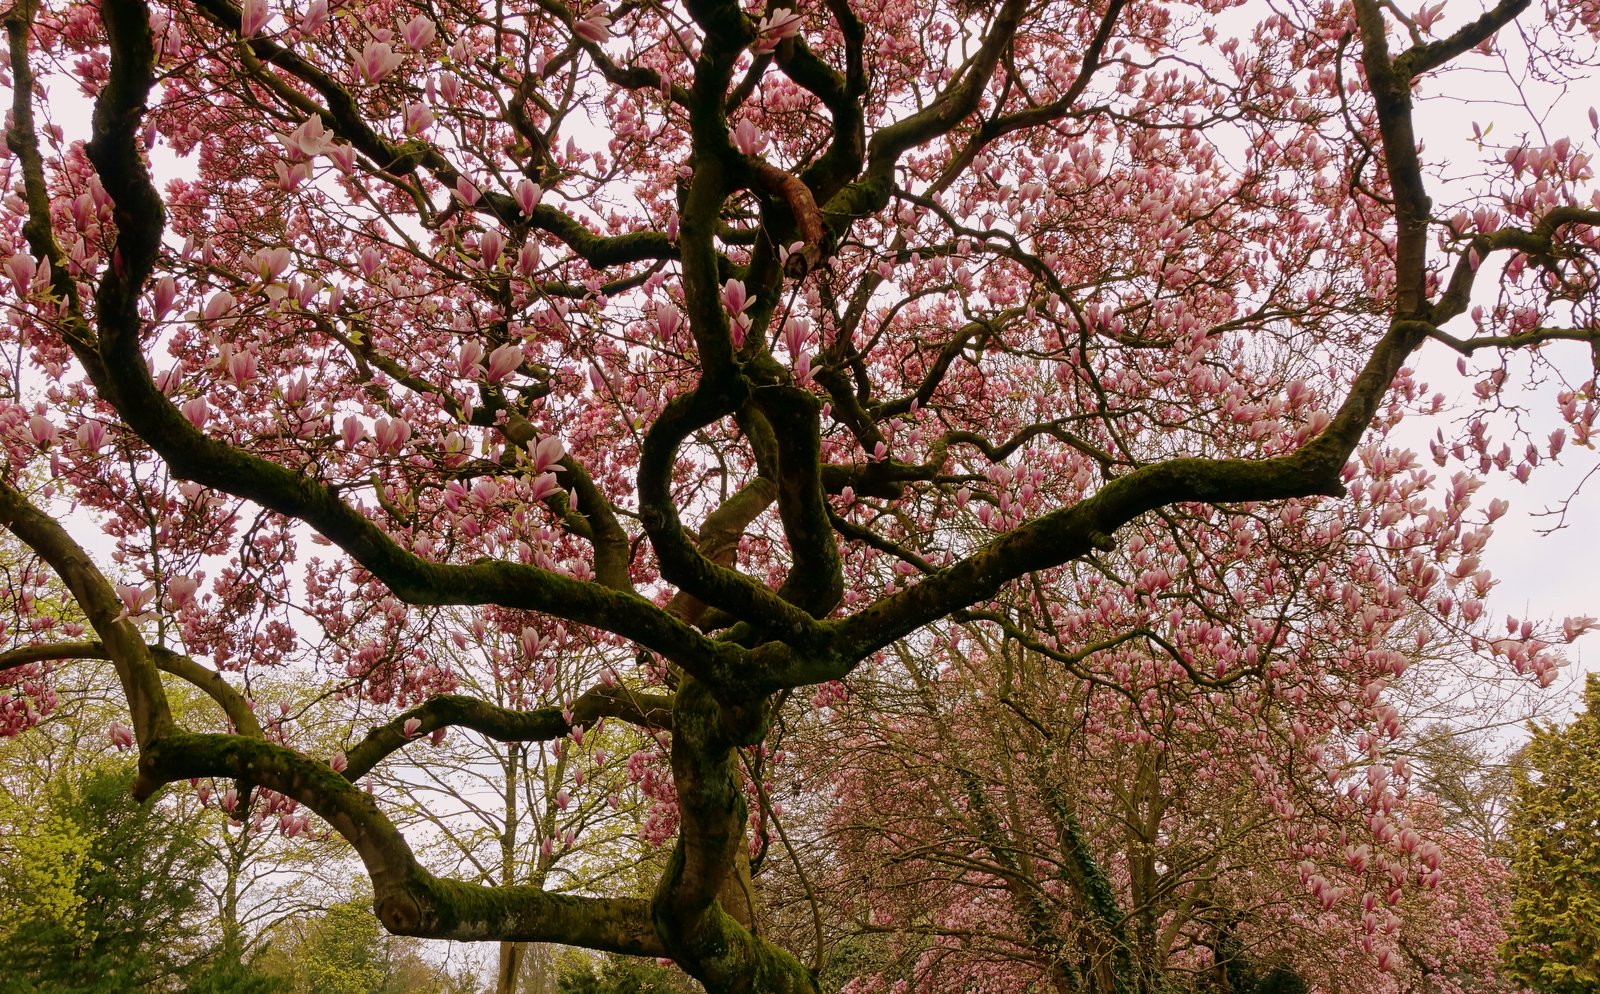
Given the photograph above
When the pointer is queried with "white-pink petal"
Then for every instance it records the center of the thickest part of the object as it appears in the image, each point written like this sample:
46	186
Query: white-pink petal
595	27
120	735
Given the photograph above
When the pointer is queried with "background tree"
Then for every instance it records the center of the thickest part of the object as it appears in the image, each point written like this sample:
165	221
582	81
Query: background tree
1554	941
620	975
564	817
1469	775
1008	824
101	894
344	951
848	322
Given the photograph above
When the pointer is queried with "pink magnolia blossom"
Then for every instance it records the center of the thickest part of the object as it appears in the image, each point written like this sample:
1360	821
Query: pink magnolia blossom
547	454
370	262
180	592
668	320
309	140
253	16
527	258
1571	628
297	390
91	435
197	411
270	263
243	366
343	156
351	431
468	358
490	244
315	16
747	138
136	600
218	306
774	28
544	486
419	118
22	269
485	491
163	296
120	735
796	334
1427	16
527	195
418	32
503	361
531	643
391	434
450	89
376	60
43	431
595	26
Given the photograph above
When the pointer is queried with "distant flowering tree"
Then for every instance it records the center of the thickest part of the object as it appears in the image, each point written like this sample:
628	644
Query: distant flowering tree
1010	820
739	345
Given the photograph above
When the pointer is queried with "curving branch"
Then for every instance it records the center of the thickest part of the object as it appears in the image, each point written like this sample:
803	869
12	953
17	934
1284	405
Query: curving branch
118	369
27	655
1071	532
408	899
646	710
1538	242
1421	58
951	106
124	646
1391	94
341	115
212	683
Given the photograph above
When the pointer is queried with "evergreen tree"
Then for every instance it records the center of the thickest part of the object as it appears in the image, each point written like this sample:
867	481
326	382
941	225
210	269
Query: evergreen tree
102	896
1554	943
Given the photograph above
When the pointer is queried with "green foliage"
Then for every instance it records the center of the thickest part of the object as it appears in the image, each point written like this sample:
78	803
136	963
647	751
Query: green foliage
229	975
339	952
621	975
42	857
102	895
344	951
1281	980
1554	933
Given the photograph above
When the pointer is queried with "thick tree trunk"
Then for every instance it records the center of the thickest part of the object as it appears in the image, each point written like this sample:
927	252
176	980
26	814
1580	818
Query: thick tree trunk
704	905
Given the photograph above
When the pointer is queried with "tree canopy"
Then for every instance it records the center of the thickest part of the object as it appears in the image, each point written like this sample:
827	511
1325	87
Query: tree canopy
633	380
1554	942
102	894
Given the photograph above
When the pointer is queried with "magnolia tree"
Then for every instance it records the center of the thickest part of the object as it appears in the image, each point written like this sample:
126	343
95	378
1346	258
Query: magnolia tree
741	344
1124	826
